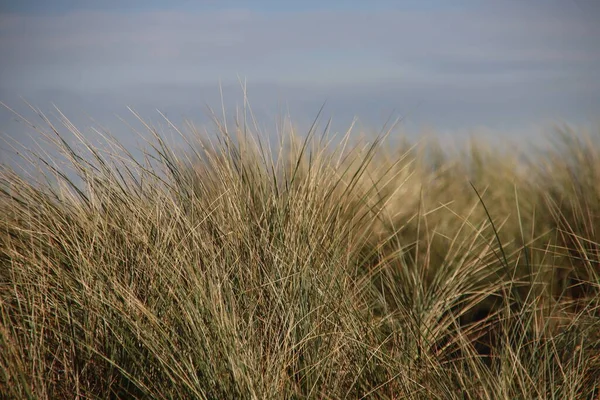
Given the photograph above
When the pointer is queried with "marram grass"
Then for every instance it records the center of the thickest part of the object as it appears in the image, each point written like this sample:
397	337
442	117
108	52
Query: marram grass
318	269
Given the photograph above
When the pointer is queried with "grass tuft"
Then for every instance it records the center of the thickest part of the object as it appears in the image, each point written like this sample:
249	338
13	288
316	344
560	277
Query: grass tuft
325	268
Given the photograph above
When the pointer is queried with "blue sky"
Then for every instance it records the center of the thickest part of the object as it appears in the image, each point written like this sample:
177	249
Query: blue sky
61	6
454	65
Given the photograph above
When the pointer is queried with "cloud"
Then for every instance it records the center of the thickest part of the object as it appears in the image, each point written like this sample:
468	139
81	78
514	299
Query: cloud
108	49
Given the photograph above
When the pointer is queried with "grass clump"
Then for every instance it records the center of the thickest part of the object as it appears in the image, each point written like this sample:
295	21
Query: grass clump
321	269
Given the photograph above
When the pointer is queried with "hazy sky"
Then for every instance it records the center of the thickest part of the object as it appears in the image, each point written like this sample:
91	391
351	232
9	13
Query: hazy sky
450	64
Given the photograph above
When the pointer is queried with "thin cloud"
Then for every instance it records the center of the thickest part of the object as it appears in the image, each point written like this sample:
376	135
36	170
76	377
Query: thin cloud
197	46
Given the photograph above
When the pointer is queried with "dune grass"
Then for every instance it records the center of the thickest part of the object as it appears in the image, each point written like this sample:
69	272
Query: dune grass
321	268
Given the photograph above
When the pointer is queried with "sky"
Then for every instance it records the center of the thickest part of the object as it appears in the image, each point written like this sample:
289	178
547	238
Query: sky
506	65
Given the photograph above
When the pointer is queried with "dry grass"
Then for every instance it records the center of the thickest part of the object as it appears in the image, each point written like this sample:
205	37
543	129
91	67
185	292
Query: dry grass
320	269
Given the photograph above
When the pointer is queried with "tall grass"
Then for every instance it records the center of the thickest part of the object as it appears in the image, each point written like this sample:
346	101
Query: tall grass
323	268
